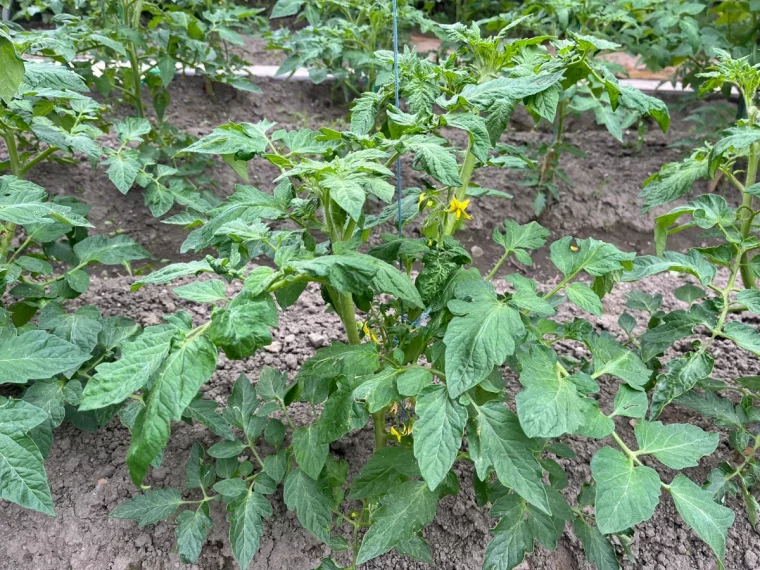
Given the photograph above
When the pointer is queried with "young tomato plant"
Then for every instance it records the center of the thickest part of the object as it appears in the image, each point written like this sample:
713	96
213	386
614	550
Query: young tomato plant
341	39
424	361
120	52
47	352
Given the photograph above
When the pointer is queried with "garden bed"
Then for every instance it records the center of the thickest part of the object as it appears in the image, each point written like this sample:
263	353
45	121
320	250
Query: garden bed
89	477
87	470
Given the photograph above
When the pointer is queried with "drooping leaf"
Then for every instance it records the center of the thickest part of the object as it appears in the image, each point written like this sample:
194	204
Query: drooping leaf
310	453
311	502
501	443
404	511
481	335
707	518
246	526
188	366
438	433
191	533
550	404
114	382
626	494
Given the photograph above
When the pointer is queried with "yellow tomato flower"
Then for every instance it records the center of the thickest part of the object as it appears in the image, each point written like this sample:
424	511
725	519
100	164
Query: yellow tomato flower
459	208
368	331
421	199
405	430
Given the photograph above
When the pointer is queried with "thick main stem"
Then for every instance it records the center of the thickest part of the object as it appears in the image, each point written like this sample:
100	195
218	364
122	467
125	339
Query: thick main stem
748	277
134	62
16	170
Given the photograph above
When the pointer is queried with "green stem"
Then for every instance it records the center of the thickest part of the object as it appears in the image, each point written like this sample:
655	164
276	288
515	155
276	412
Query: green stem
37	159
468	166
16	170
497	266
748	278
134	63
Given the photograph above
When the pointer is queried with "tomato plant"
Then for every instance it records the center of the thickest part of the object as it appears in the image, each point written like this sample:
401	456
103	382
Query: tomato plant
427	335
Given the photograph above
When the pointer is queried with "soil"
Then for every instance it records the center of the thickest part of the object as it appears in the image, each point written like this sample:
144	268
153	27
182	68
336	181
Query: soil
87	471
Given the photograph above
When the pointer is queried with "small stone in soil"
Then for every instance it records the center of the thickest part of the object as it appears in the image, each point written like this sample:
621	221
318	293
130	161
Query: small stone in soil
317	340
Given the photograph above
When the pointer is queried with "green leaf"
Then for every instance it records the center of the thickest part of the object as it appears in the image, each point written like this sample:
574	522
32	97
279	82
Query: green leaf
692	263
583	296
312	503
708	519
188	366
284	8
433	158
18	417
109	251
364	109
404	511
150	507
673	181
246	526
744	336
37	355
335	420
191	532
413	381
341	359
355	273
310	454
387	468
595	257
81	328
550	405
738	141
209	291
475	126
481	335
114	382
242	327
22	474
227	449
630	403
378	390
272	384
626	494
204	411
676	445
596	546
512	539
438	433
122	170
11	69
48	75
347	191
501	443
516	239
233	138
610	357
632	98
681	376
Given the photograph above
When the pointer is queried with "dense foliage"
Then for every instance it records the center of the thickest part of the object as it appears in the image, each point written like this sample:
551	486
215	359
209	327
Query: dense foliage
427	335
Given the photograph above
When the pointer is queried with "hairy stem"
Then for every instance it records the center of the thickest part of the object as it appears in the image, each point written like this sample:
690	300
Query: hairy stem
16	170
748	278
134	63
